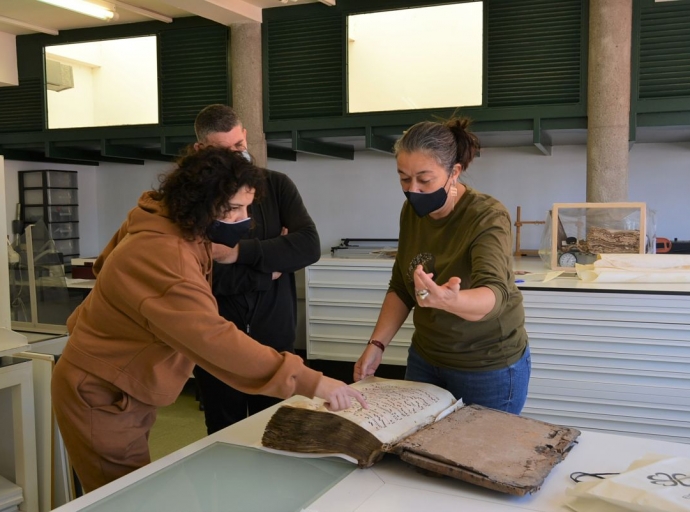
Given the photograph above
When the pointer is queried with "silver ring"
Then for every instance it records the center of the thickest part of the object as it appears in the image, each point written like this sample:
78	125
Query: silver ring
422	294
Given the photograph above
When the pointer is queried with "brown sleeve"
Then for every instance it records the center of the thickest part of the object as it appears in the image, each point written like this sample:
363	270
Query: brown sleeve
186	318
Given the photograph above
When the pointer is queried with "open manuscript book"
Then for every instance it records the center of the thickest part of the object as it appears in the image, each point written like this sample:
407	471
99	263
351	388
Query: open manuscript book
425	426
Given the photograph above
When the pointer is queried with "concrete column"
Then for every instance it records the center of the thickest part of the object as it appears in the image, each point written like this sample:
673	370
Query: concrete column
608	103
247	90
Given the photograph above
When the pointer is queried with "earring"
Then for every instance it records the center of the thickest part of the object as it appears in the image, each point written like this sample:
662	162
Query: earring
453	191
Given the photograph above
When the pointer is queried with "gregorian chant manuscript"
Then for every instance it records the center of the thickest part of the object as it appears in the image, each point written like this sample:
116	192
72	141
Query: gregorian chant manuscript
396	409
425	426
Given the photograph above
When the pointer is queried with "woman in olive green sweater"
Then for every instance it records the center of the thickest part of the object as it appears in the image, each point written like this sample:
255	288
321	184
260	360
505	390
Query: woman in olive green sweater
454	268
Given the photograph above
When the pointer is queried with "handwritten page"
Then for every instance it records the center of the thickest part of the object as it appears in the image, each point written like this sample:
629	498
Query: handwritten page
397	408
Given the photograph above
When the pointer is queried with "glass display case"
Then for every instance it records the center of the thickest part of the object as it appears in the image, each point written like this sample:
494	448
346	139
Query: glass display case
577	233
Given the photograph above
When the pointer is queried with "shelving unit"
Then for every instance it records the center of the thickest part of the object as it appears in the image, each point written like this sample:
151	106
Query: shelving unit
54	197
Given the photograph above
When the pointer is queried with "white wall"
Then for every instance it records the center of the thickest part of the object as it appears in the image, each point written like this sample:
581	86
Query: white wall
362	198
118	189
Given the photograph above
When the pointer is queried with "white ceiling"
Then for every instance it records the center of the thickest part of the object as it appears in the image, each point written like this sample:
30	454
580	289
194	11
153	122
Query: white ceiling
54	18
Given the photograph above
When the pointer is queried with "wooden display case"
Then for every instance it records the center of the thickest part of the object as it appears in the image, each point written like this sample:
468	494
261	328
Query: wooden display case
582	231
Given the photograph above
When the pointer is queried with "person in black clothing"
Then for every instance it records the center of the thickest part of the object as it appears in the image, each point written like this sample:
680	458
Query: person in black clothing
257	291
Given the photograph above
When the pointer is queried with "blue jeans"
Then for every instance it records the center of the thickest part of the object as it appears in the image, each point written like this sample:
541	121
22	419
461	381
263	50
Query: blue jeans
504	389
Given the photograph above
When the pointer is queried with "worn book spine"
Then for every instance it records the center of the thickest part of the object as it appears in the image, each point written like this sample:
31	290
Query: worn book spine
308	431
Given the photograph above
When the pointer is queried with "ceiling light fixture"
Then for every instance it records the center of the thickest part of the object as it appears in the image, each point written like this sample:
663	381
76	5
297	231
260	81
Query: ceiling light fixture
95	8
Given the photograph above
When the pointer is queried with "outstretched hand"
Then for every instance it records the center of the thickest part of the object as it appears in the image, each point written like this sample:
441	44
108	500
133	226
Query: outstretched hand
436	296
338	395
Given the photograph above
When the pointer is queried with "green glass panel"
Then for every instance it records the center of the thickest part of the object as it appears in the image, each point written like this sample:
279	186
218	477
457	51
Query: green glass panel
224	477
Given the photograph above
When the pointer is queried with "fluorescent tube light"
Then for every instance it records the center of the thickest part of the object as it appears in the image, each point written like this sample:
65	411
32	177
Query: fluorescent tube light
95	8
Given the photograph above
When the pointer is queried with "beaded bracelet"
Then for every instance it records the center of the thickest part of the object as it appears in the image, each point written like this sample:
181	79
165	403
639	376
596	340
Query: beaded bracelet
378	344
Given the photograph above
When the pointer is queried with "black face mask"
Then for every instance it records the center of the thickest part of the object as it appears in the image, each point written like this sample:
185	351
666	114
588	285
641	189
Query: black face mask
228	233
424	204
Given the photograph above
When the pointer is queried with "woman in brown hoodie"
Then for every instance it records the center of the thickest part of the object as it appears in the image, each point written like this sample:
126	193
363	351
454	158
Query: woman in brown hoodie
151	316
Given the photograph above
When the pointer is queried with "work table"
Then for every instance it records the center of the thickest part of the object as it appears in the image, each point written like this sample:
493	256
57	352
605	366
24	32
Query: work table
225	471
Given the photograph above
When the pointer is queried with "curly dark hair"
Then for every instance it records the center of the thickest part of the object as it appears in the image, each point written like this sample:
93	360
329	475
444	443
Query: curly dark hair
199	189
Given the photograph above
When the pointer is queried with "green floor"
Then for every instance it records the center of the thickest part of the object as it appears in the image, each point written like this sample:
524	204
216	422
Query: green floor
177	425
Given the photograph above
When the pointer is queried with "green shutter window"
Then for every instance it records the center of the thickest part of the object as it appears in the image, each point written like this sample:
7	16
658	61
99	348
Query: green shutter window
192	72
305	67
664	50
534	52
21	107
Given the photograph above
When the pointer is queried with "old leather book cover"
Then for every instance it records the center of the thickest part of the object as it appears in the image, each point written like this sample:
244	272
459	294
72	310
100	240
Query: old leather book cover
493	449
396	409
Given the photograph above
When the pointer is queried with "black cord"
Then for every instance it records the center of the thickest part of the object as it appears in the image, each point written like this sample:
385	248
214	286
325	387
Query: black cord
578	475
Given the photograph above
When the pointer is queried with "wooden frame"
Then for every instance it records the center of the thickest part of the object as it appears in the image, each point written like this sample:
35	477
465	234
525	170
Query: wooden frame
558	232
519	251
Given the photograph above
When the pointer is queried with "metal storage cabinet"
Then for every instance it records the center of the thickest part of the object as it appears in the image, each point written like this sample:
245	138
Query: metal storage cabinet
610	361
343	299
53	196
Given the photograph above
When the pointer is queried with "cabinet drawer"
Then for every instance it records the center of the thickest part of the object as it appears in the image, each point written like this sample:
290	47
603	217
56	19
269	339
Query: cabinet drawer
352	295
60	230
666	396
352	330
612	347
346	277
55	213
581	307
66	179
349	350
70	246
577	376
559	328
52	196
354	312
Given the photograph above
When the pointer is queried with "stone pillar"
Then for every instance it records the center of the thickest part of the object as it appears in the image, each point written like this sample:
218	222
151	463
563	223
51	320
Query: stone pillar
608	103
247	90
